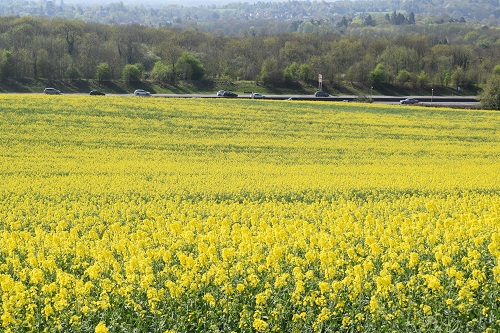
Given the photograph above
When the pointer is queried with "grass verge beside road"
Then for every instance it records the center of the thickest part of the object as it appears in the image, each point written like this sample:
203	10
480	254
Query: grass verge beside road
211	86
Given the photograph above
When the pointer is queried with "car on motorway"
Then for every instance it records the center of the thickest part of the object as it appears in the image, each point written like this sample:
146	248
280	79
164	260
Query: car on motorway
321	93
97	93
141	92
408	101
257	95
51	91
229	94
221	93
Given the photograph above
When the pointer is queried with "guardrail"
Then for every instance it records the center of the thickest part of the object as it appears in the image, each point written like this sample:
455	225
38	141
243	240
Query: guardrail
389	99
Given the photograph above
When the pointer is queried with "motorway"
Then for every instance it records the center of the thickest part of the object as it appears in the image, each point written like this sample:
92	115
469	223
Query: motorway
463	101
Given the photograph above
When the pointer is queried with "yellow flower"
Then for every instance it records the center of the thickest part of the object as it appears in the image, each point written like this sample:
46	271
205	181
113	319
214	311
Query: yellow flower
384	282
210	299
346	321
323	287
433	282
324	315
496	273
374	306
36	276
446	260
48	310
7	319
101	328
75	320
261	298
252	280
281	280
299	316
413	260
260	325
426	309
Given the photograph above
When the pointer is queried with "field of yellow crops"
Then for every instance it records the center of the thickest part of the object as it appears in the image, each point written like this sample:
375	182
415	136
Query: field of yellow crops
127	214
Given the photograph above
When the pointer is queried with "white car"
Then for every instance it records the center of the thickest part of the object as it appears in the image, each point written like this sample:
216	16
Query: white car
408	101
140	92
221	93
257	95
51	91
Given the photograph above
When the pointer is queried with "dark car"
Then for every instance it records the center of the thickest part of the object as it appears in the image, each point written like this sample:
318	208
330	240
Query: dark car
321	93
97	93
229	94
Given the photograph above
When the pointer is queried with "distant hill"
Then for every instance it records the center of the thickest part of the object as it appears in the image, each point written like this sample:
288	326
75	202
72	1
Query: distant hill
238	18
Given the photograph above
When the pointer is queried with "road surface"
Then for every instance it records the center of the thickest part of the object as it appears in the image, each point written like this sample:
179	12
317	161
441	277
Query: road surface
423	100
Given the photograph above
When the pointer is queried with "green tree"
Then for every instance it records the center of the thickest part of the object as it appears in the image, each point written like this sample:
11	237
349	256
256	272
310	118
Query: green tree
190	67
6	65
305	72
369	21
411	18
306	28
360	72
396	58
131	73
160	71
103	72
423	80
170	53
403	78
72	73
292	72
461	77
44	66
490	97
296	51
398	18
446	78
270	73
343	23
378	76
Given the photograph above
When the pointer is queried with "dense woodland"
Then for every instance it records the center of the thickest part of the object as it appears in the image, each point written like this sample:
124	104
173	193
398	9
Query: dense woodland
452	54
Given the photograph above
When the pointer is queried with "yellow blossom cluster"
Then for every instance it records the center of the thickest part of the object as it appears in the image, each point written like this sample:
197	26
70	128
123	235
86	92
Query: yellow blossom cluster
170	215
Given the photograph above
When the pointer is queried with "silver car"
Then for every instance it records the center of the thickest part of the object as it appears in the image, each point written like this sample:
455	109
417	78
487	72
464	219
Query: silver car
257	95
51	91
141	92
408	101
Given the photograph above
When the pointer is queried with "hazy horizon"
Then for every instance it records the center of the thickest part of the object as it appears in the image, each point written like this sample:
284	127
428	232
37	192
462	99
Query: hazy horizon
167	2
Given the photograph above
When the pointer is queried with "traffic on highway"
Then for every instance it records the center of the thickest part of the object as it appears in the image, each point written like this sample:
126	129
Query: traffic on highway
422	100
463	101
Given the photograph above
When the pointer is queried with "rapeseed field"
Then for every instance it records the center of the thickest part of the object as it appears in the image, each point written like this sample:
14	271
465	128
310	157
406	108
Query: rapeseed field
127	214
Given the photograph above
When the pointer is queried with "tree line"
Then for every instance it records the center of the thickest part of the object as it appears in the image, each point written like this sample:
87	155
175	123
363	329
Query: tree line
56	49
